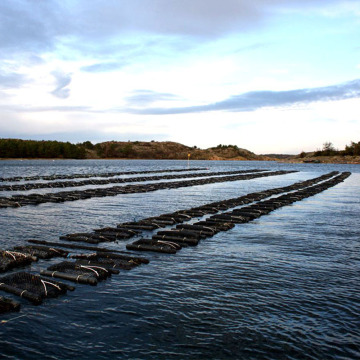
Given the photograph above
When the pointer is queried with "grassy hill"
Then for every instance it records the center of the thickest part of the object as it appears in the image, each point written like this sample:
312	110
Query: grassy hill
168	150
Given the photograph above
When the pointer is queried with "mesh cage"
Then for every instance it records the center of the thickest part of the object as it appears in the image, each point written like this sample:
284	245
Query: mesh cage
112	258
73	268
32	287
10	259
107	260
154	245
42	252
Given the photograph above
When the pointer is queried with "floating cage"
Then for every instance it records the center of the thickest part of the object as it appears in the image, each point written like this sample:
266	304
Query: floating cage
10	259
116	233
175	237
32	287
91	238
185	233
7	305
80	273
139	225
230	218
34	199
42	252
219	225
110	260
81	247
109	264
94	264
208	231
167	247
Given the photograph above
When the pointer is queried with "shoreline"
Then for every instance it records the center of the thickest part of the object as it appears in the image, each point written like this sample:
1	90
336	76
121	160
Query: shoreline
61	159
355	160
352	160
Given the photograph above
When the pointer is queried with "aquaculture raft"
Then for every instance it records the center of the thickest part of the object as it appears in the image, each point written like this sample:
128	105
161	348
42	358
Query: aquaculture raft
80	273
110	260
10	259
32	287
169	241
66	184
167	247
216	217
35	199
84	176
42	252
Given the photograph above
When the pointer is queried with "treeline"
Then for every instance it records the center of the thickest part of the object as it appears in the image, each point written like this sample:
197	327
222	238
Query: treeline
328	150
15	148
115	150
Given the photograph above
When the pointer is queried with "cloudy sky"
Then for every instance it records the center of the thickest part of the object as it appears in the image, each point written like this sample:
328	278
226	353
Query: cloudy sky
271	76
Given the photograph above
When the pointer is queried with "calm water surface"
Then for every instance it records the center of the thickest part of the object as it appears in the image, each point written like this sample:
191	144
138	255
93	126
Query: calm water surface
285	286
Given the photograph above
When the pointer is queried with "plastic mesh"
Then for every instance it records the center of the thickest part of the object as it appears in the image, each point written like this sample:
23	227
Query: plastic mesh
42	252
34	284
10	259
79	269
110	260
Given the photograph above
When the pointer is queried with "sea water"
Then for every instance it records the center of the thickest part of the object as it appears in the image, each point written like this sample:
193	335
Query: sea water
285	286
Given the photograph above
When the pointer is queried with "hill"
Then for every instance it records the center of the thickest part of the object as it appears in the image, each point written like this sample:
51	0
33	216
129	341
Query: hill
328	154
168	150
31	149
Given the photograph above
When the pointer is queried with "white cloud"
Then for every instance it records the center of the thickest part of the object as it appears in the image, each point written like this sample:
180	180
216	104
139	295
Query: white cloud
182	59
62	82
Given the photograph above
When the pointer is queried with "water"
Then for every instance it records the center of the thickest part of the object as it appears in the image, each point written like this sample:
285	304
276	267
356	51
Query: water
285	286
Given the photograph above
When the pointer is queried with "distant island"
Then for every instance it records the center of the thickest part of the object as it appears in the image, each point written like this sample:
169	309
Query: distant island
31	149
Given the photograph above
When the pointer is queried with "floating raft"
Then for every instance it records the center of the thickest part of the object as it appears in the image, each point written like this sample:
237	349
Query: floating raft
80	273
174	237
223	220
76	246
90	238
10	259
42	252
32	287
66	184
168	247
91	268
34	199
191	234
84	176
7	305
111	260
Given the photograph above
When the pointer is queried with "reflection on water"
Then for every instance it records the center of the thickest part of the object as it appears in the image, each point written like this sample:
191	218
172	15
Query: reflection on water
283	286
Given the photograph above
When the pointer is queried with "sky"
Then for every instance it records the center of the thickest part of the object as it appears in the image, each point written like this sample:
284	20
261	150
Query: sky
270	76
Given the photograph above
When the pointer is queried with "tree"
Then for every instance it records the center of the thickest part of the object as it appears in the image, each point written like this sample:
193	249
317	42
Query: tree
328	146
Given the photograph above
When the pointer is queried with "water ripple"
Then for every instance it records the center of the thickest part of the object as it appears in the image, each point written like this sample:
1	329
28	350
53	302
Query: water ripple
285	286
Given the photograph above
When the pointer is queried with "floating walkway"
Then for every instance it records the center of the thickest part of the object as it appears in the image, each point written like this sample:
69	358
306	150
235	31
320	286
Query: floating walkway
212	218
36	199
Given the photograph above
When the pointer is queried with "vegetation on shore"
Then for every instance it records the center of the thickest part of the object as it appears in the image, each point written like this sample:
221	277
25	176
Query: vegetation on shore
31	149
328	154
15	148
